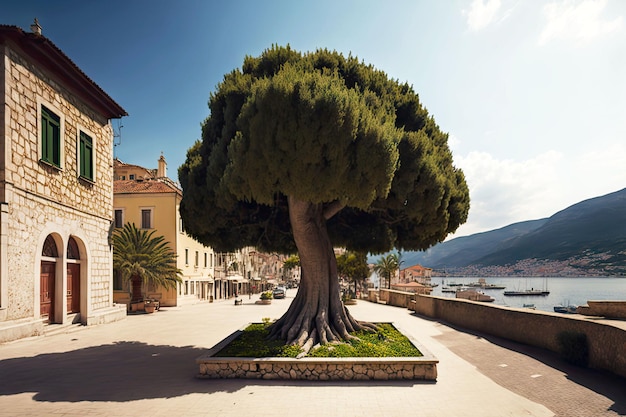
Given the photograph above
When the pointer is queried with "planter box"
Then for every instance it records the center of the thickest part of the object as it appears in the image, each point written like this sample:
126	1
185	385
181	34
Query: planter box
322	369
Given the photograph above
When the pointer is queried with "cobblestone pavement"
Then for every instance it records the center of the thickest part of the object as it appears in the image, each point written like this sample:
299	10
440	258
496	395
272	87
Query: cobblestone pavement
145	365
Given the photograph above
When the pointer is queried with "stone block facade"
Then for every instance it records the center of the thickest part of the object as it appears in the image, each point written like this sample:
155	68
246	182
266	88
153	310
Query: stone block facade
45	204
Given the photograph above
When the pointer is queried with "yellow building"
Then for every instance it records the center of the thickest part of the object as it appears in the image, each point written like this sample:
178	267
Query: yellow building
150	200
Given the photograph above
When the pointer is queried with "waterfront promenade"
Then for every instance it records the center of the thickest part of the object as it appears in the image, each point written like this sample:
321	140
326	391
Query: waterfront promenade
145	365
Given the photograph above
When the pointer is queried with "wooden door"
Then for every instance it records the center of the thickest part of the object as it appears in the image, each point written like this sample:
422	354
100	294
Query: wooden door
46	298
136	284
73	288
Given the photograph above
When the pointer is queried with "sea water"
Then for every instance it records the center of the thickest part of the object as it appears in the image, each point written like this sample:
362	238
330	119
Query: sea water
563	291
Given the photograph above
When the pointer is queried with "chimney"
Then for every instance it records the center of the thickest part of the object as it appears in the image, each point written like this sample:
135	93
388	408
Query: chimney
162	167
35	28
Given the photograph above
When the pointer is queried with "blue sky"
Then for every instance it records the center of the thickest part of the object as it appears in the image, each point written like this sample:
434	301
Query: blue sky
532	93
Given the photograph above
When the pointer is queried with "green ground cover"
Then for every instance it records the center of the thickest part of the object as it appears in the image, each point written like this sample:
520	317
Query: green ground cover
387	342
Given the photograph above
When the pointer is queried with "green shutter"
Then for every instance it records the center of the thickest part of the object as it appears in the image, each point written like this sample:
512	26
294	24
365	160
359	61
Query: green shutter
50	137
86	156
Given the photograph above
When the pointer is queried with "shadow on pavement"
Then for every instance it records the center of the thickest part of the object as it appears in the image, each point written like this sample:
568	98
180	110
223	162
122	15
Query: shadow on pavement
605	384
128	371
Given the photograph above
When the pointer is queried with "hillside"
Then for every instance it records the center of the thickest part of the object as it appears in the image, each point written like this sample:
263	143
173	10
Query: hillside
593	231
587	238
466	250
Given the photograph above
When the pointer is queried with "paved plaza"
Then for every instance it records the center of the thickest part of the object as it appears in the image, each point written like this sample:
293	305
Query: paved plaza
145	366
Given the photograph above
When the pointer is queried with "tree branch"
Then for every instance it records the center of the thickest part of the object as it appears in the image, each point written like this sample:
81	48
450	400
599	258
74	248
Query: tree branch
332	209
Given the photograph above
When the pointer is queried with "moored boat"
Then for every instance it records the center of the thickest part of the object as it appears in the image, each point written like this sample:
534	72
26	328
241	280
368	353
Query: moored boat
569	309
482	283
527	292
473	295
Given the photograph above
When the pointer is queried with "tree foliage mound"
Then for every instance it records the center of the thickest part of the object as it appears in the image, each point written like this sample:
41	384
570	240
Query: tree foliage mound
306	152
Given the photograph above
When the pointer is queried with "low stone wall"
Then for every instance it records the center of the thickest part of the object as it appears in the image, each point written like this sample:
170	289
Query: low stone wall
606	342
322	369
392	297
604	308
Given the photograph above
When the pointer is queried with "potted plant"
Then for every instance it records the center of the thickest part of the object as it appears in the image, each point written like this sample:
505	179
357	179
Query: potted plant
348	299
266	297
150	306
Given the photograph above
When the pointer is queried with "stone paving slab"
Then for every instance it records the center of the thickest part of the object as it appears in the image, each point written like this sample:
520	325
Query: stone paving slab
145	365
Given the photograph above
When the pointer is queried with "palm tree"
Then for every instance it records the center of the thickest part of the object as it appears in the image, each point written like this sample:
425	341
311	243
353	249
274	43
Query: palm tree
141	258
386	267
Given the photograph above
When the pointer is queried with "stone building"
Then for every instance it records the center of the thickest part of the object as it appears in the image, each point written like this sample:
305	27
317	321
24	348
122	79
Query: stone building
56	189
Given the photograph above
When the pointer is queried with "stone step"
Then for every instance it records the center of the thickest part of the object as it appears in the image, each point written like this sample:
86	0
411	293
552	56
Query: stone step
54	329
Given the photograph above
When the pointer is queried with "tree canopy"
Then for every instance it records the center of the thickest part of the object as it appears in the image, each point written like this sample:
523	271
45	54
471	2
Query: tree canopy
327	129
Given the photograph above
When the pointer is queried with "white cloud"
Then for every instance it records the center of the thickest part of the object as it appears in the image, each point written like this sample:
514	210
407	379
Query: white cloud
503	192
481	13
506	191
580	22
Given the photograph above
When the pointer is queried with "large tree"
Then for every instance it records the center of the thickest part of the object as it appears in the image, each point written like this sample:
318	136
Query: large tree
303	152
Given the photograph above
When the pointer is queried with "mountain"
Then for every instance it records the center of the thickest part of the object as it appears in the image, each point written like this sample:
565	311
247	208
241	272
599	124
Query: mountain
591	229
587	238
466	250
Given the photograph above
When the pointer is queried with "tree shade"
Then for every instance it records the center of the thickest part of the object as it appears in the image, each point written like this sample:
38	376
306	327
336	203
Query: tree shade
303	152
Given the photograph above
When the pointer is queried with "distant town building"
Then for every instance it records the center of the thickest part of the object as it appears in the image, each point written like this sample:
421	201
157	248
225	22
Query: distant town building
56	189
416	273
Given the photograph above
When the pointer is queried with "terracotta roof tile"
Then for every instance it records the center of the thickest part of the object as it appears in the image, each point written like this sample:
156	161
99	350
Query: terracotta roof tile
143	187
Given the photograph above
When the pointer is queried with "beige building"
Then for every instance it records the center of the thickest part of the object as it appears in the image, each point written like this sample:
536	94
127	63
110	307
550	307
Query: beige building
56	186
150	200
416	273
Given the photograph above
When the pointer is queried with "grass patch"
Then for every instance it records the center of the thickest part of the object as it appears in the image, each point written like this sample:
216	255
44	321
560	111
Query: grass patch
387	342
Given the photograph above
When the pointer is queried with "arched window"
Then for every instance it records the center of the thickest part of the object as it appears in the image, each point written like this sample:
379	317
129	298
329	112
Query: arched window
50	248
72	249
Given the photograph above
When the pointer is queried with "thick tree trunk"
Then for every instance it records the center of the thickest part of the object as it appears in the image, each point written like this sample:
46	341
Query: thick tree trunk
317	314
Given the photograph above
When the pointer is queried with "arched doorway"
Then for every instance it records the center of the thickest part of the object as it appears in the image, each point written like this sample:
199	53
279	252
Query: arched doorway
47	279
73	277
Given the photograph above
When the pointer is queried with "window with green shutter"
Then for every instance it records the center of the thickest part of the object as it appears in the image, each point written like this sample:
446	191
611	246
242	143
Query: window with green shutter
86	156
50	137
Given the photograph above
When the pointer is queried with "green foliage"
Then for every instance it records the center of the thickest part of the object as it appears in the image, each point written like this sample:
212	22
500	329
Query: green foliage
573	347
137	252
291	262
354	267
253	342
267	295
326	129
387	342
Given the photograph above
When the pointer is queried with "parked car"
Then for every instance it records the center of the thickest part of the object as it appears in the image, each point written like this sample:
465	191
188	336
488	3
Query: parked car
280	292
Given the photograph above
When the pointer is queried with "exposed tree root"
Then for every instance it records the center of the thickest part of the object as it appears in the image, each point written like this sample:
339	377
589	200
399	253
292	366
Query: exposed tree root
316	315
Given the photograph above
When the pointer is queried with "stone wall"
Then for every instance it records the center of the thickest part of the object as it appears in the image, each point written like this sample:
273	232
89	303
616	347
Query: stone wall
43	200
604	308
606	341
318	369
